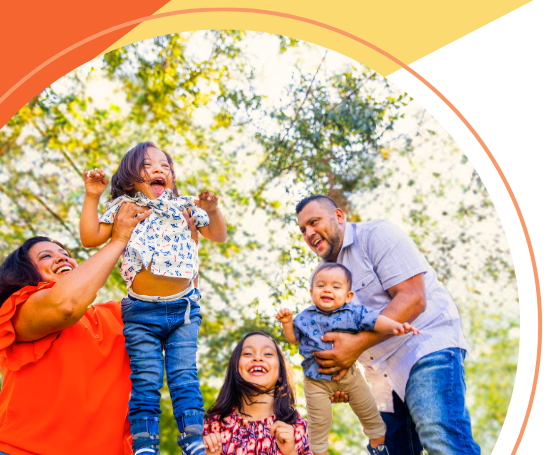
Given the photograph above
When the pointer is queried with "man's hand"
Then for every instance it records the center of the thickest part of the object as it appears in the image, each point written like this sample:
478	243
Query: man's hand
347	349
339	397
213	442
285	315
207	201
284	435
95	182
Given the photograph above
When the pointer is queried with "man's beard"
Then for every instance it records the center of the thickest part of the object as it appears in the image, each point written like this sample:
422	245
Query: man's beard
334	244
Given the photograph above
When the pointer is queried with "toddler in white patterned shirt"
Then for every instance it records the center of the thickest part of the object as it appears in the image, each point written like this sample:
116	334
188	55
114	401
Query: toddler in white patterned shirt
160	266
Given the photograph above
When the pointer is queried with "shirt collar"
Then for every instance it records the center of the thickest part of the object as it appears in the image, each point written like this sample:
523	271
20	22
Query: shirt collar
345	306
141	199
348	236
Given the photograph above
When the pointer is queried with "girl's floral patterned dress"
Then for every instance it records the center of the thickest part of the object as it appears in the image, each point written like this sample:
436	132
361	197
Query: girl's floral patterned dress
244	437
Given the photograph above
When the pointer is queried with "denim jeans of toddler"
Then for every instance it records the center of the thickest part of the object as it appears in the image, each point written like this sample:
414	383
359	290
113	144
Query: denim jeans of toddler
150	327
434	415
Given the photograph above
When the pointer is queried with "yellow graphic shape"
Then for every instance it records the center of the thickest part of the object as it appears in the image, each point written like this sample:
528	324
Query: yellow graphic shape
406	29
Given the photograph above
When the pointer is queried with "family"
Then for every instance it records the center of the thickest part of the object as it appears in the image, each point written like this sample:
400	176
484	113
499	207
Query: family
83	378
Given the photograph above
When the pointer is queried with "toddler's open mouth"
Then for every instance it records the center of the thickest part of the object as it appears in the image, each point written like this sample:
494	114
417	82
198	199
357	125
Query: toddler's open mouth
158	185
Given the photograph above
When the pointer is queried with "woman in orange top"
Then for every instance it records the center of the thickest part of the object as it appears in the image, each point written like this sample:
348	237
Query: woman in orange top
66	372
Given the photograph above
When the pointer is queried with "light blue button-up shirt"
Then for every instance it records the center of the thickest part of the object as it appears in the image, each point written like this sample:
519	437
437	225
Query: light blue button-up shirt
380	255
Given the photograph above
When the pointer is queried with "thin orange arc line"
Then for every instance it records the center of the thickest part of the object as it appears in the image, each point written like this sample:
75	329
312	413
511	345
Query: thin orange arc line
395	60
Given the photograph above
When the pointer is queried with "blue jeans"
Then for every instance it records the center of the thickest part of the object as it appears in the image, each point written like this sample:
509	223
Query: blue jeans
150	327
434	415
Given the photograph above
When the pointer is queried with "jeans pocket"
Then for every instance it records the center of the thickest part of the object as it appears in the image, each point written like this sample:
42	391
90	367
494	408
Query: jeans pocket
126	304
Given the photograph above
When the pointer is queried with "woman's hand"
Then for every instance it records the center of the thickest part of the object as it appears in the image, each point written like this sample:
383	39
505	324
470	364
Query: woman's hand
125	221
213	442
194	236
285	438
95	182
192	227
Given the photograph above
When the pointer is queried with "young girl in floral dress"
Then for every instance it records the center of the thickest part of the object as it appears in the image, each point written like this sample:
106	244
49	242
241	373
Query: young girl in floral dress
255	410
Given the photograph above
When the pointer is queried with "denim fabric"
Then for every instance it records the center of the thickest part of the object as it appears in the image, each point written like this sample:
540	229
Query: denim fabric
150	327
3	453
312	323
434	413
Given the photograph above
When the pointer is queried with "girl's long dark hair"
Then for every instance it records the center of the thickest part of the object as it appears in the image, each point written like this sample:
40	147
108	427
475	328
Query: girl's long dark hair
18	270
236	389
130	169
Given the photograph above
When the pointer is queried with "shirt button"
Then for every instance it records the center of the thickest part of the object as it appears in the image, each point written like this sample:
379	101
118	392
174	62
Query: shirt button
372	358
385	375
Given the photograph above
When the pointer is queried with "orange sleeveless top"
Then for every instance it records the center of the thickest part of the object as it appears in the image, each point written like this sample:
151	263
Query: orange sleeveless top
68	392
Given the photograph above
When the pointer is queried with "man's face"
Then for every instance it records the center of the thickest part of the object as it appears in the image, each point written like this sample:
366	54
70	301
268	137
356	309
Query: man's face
322	229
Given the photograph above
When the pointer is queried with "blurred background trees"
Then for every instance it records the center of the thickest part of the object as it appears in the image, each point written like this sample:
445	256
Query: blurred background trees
263	121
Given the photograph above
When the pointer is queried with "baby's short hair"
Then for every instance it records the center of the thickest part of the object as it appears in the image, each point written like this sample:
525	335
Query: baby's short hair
332	265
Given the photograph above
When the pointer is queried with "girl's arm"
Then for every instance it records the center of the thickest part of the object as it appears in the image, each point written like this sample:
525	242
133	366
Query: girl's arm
91	231
62	305
216	230
285	316
386	325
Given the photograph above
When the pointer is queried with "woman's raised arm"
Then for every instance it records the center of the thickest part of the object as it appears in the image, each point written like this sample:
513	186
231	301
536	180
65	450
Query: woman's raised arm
61	306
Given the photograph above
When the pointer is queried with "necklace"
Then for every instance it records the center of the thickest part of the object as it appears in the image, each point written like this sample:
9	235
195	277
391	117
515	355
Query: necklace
96	323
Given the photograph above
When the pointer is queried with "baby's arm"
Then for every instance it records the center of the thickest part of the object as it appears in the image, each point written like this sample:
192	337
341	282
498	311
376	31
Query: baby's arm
216	230
388	326
92	232
285	316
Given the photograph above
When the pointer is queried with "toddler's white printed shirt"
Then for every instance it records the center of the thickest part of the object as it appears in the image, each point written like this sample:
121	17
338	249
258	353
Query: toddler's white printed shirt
163	239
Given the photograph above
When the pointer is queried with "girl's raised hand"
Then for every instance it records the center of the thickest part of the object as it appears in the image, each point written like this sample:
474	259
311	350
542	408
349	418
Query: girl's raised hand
284	315
207	201
95	182
213	442
285	439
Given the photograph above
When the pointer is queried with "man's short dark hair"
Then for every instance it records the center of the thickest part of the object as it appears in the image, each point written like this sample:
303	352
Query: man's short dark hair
315	197
332	265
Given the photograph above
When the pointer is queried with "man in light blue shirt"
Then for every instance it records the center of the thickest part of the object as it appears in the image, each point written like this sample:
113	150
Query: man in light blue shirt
426	372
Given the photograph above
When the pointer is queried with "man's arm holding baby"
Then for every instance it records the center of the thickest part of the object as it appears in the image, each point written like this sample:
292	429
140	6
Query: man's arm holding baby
92	232
216	230
408	302
285	316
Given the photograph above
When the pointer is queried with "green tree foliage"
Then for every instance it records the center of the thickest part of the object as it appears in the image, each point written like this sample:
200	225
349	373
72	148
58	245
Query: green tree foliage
340	131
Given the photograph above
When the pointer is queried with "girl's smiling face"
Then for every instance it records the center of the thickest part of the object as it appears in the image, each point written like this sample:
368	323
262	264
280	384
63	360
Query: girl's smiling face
259	363
51	260
157	174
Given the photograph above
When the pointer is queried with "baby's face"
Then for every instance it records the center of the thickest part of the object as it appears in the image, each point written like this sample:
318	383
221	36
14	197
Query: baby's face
330	290
157	174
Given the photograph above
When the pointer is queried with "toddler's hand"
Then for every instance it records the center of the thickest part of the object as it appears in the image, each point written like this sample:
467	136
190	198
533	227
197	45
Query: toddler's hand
95	182
285	315
404	328
213	442
208	201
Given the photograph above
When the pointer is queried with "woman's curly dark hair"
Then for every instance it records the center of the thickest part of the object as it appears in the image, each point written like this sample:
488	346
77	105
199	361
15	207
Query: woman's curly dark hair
130	171
235	389
18	270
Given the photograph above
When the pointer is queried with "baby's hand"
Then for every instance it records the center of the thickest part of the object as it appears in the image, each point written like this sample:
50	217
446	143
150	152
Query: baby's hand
95	182
208	201
402	329
213	442
285	315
